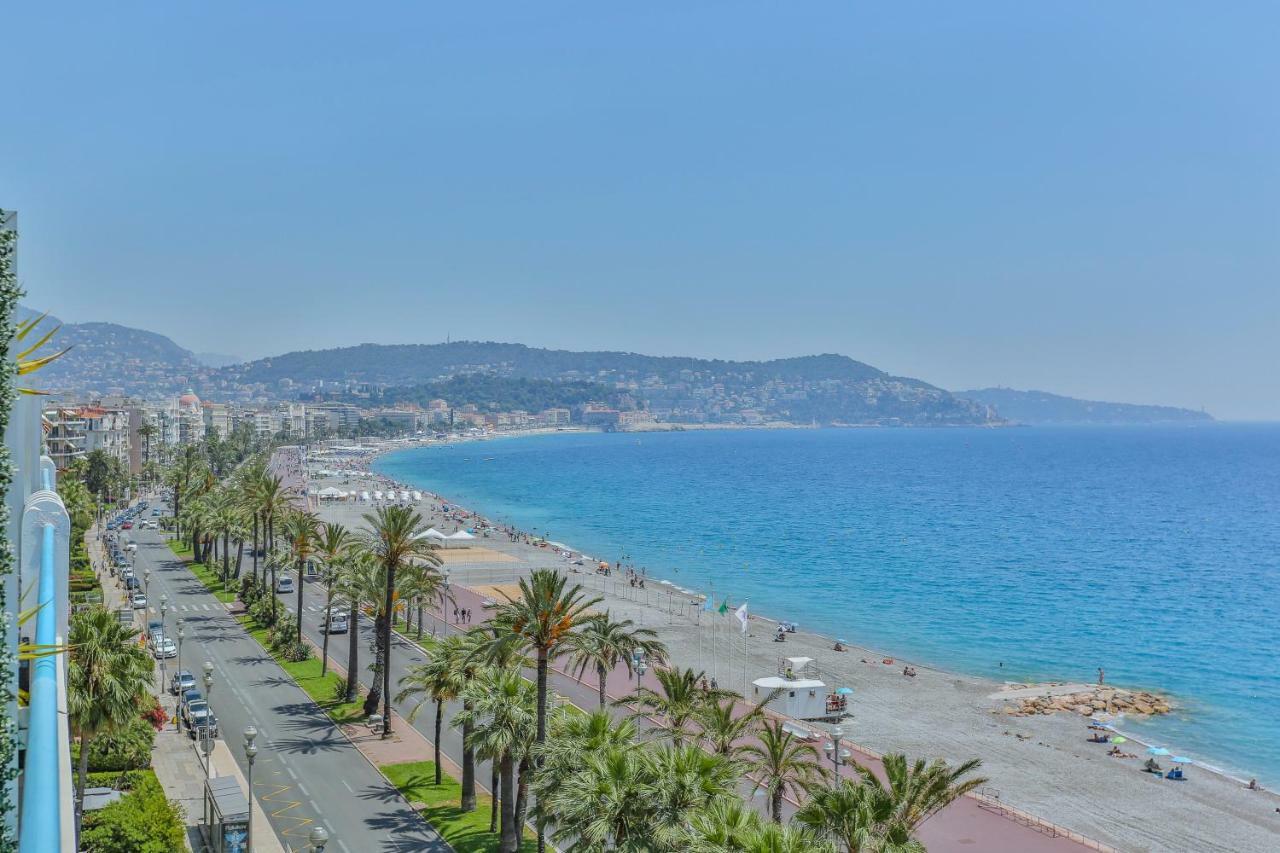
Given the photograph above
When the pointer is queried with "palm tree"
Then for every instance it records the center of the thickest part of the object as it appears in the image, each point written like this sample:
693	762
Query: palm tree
182	474
107	677
481	647
780	763
421	583
684	781
301	532
678	701
602	643
922	789
439	679
361	582
273	503
603	804
502	718
542	619
334	546
724	730
731	825
858	818
395	538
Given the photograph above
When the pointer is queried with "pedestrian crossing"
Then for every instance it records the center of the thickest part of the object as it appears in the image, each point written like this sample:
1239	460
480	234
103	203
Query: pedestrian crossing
189	608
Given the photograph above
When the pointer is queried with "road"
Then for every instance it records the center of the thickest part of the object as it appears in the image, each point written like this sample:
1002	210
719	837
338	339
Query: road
306	772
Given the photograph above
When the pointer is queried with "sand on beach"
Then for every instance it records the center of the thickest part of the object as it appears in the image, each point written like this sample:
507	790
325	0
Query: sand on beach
1043	764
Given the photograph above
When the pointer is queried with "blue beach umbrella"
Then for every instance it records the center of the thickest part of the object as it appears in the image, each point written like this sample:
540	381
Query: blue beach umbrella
844	691
1157	750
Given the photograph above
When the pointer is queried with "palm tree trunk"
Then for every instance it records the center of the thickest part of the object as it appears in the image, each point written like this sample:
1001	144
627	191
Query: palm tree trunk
439	723
302	564
353	652
226	556
496	800
239	557
386	653
420	607
775	804
604	675
542	730
255	547
271	536
522	794
328	617
509	841
468	803
82	772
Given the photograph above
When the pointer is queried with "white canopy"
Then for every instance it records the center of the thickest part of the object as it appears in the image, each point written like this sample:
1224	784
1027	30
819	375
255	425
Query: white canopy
331	492
774	682
417	496
377	496
404	496
364	496
431	533
460	536
799	663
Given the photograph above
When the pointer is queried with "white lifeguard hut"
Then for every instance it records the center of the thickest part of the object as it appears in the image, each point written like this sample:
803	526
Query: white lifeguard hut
804	696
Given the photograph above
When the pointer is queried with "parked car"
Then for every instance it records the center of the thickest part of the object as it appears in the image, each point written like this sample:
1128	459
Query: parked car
284	584
165	648
131	583
335	623
128	525
200	716
181	682
139	600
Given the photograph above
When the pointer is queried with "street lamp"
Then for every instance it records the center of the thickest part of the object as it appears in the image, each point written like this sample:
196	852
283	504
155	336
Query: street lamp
319	838
835	751
206	732
182	632
164	606
146	580
250	752
639	664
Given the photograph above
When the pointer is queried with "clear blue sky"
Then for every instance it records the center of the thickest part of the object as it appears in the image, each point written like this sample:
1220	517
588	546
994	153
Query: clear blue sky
1080	197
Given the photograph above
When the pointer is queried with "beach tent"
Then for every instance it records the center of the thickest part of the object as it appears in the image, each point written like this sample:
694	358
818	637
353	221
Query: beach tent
417	496
431	533
460	536
331	493
364	496
377	496
404	496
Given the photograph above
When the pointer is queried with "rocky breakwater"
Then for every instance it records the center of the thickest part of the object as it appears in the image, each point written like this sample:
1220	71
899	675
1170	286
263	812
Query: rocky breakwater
1097	700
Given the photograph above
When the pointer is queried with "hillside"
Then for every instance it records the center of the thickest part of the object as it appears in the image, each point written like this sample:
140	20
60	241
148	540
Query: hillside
1043	408
409	364
108	358
822	389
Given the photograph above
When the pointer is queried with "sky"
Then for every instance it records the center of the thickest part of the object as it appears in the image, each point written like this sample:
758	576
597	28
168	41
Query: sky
1081	198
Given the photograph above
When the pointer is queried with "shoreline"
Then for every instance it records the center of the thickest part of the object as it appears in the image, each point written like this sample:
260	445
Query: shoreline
873	653
940	713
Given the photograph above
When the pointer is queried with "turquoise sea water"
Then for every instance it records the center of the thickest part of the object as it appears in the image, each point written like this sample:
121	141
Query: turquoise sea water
1151	552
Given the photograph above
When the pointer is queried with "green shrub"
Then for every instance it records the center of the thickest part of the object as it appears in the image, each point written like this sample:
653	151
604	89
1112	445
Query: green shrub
284	633
123	780
297	652
143	821
260	610
128	749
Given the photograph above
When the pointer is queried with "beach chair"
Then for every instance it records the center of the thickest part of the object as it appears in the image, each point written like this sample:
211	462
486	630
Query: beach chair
1176	775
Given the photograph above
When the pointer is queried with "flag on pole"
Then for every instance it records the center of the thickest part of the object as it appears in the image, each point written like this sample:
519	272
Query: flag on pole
741	613
724	607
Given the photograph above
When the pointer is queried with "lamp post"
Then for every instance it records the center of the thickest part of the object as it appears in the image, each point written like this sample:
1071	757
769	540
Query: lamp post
206	740
834	751
319	838
146	582
250	752
164	606
639	664
182	632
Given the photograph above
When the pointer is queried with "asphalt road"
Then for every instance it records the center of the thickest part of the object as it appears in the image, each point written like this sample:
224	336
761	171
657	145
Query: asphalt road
306	772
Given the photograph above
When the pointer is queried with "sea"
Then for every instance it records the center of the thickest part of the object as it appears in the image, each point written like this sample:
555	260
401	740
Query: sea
1016	554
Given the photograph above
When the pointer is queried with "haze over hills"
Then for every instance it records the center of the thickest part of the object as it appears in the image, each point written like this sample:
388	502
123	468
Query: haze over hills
1043	408
107	358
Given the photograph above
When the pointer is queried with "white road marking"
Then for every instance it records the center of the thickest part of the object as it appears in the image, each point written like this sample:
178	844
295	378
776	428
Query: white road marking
346	785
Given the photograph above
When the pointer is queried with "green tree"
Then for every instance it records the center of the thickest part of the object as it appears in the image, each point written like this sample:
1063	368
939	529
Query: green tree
779	763
541	620
439	679
108	676
858	818
502	718
301	531
395	539
678	701
143	821
602	643
333	547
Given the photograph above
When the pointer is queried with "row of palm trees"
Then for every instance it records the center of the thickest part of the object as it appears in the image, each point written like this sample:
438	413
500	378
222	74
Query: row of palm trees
596	781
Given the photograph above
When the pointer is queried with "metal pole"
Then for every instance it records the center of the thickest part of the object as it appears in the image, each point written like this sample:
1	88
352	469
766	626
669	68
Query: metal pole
250	751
